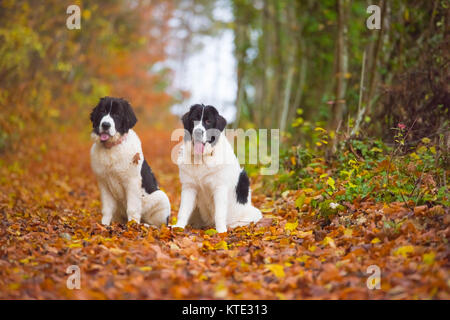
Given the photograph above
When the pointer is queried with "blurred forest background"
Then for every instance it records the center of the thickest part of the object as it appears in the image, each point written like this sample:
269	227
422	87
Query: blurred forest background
317	61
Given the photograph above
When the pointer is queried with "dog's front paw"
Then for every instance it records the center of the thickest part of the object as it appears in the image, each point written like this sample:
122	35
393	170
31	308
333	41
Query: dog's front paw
177	226
221	229
106	220
134	219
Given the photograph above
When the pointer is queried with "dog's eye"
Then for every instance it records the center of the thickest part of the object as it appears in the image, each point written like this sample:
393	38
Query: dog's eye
208	122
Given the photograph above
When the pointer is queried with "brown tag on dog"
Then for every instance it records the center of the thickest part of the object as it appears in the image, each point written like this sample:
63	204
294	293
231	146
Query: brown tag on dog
136	158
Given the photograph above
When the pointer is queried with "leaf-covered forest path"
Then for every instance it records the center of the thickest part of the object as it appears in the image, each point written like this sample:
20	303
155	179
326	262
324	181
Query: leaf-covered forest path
50	219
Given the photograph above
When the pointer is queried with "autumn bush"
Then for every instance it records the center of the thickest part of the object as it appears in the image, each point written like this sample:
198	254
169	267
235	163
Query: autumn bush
51	77
365	170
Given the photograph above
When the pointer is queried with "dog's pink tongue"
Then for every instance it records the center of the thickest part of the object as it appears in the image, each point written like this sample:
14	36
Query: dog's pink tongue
104	137
198	148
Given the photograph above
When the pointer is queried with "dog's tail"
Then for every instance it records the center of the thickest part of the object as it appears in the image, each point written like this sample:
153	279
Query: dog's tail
156	208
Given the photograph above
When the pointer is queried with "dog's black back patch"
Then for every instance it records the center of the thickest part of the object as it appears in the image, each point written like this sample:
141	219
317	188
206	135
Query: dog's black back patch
148	179
242	187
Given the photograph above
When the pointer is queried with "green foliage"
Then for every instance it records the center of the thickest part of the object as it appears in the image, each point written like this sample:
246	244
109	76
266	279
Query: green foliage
328	209
287	55
365	170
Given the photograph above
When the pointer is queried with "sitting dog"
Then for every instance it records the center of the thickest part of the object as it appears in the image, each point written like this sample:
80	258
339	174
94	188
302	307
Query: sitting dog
215	189
128	188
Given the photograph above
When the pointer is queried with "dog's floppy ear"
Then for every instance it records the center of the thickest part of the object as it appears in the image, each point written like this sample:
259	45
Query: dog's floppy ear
221	123
129	118
185	120
187	126
94	116
94	113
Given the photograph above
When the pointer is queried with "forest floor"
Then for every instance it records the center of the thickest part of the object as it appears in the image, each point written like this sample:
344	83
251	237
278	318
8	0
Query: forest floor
50	220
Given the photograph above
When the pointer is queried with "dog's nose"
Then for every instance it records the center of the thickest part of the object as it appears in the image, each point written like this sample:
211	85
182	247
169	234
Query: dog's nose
198	134
106	125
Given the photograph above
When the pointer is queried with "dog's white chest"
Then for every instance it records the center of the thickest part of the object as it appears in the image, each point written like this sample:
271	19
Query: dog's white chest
118	166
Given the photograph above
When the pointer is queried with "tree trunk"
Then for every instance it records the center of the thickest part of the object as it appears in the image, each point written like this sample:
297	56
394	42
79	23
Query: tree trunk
301	83
338	106
361	108
287	97
279	66
375	55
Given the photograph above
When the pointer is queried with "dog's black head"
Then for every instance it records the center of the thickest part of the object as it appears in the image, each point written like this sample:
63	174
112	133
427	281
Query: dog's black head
112	117
203	125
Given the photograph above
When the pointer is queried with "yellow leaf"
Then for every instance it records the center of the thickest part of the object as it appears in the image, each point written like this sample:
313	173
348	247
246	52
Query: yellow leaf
422	149
220	290
14	286
428	258
301	273
329	241
210	232
222	245
404	251
426	140
300	201
276	269
348	233
53	113
320	129
406	14
331	182
207	245
312	248
375	149
375	240
280	296
291	226
86	14
303	258
145	268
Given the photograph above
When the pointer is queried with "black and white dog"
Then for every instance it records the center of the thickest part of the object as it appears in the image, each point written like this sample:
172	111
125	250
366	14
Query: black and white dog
215	189
128	188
